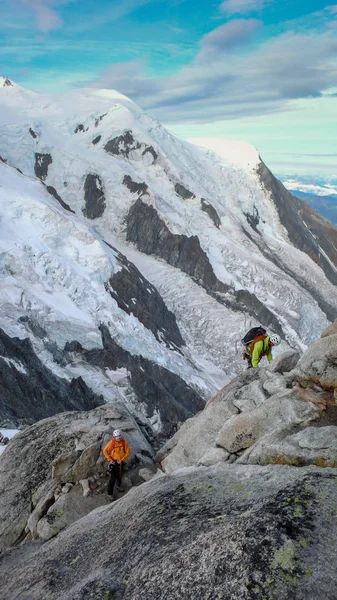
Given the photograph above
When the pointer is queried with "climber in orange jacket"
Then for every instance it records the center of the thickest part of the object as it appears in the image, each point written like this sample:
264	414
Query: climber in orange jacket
116	452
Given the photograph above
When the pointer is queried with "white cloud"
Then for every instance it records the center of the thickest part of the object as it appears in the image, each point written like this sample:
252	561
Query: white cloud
46	15
218	84
236	7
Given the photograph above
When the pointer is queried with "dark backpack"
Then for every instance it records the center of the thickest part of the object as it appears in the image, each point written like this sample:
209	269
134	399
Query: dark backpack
252	334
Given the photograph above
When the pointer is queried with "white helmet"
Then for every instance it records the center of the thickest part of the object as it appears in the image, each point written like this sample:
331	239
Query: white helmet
275	339
117	433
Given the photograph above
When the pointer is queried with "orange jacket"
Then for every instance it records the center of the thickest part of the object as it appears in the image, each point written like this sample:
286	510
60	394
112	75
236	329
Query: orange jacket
117	450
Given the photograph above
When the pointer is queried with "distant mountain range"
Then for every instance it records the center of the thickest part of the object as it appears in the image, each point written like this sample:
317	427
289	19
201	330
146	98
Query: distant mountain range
326	206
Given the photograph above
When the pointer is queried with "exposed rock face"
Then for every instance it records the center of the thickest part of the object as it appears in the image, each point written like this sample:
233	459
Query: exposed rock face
150	150
243	534
253	219
152	236
210	210
80	127
99	119
7	83
96	140
331	330
59	454
94	197
135	295
285	414
122	144
134	187
28	390
42	162
126	145
164	393
54	193
32	133
183	192
303	225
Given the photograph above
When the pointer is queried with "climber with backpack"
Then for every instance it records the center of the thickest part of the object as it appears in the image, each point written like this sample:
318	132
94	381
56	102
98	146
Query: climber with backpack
257	344
116	452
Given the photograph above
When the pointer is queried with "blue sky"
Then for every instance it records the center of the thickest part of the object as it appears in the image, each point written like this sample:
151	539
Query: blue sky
264	71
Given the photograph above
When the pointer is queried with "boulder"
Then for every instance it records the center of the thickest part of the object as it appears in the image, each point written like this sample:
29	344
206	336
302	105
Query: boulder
196	437
242	431
66	448
312	445
331	330
319	364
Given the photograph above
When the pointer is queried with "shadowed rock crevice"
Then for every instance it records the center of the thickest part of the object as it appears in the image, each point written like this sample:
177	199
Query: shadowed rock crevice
163	392
254	219
99	119
42	162
30	391
152	236
94	197
210	210
51	190
135	295
303	225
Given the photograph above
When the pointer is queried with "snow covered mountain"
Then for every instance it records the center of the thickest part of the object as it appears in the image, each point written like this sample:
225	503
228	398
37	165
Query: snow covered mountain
133	262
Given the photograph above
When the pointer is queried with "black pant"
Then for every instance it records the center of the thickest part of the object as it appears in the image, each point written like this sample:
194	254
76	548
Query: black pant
116	471
248	358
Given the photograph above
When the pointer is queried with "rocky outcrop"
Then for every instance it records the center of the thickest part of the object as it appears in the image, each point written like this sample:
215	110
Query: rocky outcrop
183	192
135	295
126	145
80	127
152	236
51	190
122	145
285	414
58	472
42	162
32	133
96	140
304	226
166	396
332	329
253	219
134	187
210	210
99	119
93	197
7	82
29	391
244	534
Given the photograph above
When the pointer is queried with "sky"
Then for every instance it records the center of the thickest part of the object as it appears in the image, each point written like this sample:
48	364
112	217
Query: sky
262	71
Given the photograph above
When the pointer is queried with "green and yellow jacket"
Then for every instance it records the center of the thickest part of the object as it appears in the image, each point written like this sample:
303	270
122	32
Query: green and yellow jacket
260	348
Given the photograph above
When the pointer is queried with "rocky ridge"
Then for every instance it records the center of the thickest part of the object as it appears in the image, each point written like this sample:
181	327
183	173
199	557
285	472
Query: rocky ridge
283	414
243	506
